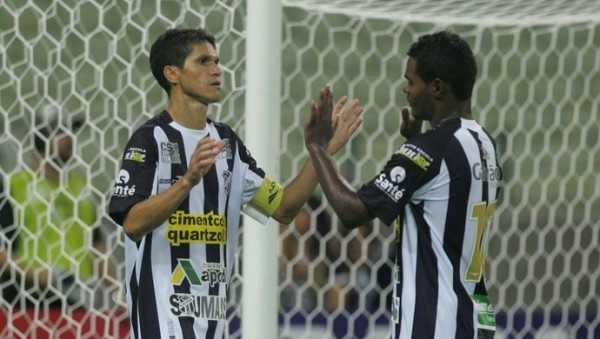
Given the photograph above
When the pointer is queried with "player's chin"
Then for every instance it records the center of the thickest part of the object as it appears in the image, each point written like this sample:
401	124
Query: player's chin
214	99
210	99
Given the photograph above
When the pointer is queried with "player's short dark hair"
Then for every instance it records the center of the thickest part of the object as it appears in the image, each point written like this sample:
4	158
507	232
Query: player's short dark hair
47	131
172	47
446	56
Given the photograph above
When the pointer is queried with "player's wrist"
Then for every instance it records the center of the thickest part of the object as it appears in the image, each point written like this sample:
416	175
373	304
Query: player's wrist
316	147
188	183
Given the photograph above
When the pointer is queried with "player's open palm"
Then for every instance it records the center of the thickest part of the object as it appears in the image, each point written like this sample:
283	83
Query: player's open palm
319	129
346	119
203	158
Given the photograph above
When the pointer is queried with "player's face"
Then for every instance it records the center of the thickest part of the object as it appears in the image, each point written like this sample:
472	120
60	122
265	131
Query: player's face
417	93
200	77
62	149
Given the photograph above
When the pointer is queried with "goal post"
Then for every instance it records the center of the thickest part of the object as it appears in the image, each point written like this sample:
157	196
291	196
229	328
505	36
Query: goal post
539	72
263	109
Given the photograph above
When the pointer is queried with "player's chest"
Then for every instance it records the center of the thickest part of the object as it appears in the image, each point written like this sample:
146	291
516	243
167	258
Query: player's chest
175	157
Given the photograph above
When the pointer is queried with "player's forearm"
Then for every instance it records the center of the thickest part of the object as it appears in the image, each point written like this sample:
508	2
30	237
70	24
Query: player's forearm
342	197
296	193
147	215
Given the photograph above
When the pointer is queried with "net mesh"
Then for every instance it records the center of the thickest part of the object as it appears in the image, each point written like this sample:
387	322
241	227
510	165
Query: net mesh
66	61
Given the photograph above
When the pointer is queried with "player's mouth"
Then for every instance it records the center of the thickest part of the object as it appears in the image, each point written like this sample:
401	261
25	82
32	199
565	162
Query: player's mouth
216	84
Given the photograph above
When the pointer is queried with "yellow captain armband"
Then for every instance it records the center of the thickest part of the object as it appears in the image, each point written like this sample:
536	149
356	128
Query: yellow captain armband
268	197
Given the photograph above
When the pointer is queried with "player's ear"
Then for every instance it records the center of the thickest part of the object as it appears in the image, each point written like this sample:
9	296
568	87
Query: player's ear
171	73
438	88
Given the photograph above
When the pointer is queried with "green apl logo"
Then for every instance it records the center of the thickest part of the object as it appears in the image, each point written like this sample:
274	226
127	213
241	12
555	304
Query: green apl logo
184	269
211	273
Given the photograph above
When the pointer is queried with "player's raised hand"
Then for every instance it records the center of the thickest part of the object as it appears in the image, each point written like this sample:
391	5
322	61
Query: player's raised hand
319	129
410	126
345	121
203	158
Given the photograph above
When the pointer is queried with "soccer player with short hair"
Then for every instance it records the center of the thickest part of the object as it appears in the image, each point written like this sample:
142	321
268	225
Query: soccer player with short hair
440	188
183	182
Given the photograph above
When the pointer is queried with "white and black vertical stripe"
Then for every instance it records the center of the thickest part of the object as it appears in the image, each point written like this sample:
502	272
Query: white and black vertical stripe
213	251
148	312
480	286
133	291
426	291
182	251
397	297
460	186
224	133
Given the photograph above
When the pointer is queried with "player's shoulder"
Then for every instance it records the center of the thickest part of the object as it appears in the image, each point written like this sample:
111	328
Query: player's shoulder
432	143
428	148
144	133
224	130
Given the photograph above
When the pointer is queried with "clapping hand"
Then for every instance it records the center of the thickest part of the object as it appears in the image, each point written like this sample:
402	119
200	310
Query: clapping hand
331	127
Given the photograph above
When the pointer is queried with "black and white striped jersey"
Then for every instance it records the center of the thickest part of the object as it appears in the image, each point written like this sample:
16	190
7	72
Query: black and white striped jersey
441	189
177	275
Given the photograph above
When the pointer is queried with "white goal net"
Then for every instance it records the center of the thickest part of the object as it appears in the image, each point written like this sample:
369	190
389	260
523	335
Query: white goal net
67	62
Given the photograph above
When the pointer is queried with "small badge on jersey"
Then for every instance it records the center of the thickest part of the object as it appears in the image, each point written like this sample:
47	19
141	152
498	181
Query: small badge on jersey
415	154
226	181
486	315
169	152
165	183
226	153
135	154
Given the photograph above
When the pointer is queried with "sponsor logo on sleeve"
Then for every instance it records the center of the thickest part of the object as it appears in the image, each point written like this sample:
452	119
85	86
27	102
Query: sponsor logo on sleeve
416	155
169	153
135	154
389	186
397	174
122	188
191	228
198	306
210	273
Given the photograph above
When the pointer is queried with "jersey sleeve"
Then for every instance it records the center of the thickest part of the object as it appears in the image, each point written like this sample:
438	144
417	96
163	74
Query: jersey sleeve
135	179
260	194
407	170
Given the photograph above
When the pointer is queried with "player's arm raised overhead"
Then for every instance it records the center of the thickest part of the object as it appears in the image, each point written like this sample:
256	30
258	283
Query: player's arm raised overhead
343	198
348	117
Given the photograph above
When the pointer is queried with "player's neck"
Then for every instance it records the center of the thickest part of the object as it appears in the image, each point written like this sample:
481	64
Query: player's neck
187	112
456	110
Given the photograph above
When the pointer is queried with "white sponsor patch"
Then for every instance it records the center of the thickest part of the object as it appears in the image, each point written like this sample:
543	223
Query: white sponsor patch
169	153
388	187
397	174
198	306
122	189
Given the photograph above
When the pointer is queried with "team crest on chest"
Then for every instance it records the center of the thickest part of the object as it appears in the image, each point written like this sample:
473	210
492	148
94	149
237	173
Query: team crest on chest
169	152
226	153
